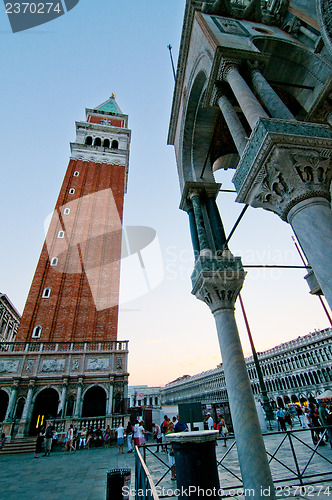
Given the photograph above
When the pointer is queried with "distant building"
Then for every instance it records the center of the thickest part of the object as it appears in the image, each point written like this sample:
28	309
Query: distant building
9	319
294	371
142	395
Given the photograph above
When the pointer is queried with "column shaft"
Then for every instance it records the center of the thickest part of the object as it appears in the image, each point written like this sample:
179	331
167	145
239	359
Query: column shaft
110	399
271	100
11	403
78	401
199	220
216	224
247	100
233	122
63	400
253	461
193	231
27	405
311	221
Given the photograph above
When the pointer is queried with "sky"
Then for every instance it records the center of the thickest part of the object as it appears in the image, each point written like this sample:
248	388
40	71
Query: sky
50	74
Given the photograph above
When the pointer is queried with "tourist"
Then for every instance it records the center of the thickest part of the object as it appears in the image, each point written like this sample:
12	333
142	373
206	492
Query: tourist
82	440
325	419
171	459
222	428
2	440
98	437
39	442
315	422
141	433
48	439
75	437
129	434
157	434
281	418
179	427
163	431
107	436
136	434
89	437
209	421
120	437
288	418
300	415
69	439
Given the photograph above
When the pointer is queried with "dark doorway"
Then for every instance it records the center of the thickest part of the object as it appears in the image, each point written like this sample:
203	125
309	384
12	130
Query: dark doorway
46	407
94	403
19	408
4	399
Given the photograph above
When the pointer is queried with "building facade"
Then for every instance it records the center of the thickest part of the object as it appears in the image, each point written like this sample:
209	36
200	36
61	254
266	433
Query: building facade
294	371
252	93
9	319
66	362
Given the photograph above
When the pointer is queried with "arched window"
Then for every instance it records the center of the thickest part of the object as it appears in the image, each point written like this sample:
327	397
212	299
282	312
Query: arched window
71	191
19	408
70	406
61	234
76	173
97	141
115	144
66	211
88	141
46	293
54	261
106	143
36	332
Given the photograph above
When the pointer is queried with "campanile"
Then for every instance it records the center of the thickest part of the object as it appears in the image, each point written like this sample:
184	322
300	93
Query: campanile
66	363
74	293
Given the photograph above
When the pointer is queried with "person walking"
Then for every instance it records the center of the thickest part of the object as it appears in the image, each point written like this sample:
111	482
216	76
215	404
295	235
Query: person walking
171	459
325	419
120	438
39	442
209	421
129	434
281	418
82	440
157	434
48	439
69	442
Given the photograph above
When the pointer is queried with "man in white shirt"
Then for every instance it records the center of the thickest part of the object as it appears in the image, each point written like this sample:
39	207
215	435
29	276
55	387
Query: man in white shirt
210	422
120	437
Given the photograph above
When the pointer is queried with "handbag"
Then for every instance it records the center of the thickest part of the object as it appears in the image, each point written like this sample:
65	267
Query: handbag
224	429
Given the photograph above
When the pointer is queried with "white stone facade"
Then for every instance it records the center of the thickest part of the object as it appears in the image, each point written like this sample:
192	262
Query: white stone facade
9	319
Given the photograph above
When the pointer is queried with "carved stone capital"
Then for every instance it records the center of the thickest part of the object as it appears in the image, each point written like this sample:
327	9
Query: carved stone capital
281	170
227	65
218	280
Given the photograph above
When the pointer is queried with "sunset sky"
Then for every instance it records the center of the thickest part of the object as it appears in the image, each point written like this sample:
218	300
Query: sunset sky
50	74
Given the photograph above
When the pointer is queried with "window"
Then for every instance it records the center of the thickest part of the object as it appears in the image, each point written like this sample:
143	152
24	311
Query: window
88	141
115	144
36	332
66	211
61	234
54	261
46	293
97	141
76	174
106	143
71	191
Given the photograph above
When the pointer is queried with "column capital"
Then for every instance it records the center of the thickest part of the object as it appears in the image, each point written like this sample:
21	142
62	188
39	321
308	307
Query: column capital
292	163
192	188
227	65
217	281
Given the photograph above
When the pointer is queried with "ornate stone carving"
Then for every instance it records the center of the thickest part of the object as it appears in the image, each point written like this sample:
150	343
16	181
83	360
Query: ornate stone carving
29	365
119	364
217	281
9	366
53	365
284	164
97	364
75	365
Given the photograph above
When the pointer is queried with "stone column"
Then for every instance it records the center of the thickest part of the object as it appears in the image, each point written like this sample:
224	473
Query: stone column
244	96
78	405
110	399
27	406
63	398
216	224
292	179
233	122
193	231
316	214
218	282
191	450
200	225
12	401
269	97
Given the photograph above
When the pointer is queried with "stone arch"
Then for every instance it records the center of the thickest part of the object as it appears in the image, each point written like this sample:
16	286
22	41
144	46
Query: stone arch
94	402
46	402
4	400
19	407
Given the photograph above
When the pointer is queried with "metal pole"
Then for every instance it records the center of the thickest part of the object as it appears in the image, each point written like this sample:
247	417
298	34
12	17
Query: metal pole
171	56
266	402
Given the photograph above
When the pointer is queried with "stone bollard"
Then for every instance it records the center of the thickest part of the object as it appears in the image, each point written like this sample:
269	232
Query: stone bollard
195	463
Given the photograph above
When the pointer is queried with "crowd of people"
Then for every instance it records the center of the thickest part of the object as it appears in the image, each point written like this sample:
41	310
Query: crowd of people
313	416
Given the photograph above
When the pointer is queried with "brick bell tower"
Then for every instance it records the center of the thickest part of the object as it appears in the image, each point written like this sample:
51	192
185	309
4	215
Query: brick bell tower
66	362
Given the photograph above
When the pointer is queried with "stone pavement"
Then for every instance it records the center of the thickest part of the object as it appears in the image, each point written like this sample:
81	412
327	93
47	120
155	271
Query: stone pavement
79	475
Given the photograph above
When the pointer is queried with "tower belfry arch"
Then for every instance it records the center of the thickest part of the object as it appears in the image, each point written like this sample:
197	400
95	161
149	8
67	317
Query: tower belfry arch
253	97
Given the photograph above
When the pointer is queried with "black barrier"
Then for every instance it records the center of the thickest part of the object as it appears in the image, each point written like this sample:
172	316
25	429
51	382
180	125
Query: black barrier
118	484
